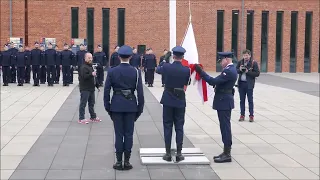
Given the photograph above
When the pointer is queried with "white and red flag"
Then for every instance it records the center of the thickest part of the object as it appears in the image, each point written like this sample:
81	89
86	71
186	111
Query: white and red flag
191	58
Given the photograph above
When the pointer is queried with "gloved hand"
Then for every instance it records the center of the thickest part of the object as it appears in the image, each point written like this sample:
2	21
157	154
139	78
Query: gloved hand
198	68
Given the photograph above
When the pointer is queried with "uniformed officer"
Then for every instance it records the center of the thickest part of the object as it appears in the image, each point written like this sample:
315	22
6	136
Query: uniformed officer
100	59
66	62
135	61
35	63
144	66
50	62
124	108
5	62
57	66
43	69
14	51
176	76
151	64
80	56
21	59
114	59
223	100
73	65
162	58
28	65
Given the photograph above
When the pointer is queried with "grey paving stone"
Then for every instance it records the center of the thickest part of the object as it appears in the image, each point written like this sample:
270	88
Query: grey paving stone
98	149
35	161
55	131
67	162
76	131
76	140
99	162
49	140
102	132
64	174
43	150
98	174
151	141
199	173
77	150
169	173
29	174
135	173
101	140
53	124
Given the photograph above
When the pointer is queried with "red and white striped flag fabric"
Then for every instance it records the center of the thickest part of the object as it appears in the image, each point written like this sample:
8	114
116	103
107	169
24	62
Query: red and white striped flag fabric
191	58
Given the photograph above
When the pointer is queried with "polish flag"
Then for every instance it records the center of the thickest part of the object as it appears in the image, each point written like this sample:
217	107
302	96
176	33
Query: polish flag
191	58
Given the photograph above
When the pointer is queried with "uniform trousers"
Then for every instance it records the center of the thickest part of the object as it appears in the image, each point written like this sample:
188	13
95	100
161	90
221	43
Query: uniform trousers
43	74
71	74
225	127
27	74
58	69
123	128
150	76
6	74
13	73
21	74
173	115
51	71
36	73
66	74
100	74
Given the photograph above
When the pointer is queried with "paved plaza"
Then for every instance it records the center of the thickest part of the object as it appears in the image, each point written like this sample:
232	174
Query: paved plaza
41	139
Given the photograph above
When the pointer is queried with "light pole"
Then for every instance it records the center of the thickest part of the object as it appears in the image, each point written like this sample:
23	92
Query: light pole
10	17
242	27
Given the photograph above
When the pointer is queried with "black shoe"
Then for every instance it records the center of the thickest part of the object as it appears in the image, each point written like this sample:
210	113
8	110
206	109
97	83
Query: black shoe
27	82
35	85
118	164
179	156
42	82
224	157
167	156
5	84
215	157
64	84
127	165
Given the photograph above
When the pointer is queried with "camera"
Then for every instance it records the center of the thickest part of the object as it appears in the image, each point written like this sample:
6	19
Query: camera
243	69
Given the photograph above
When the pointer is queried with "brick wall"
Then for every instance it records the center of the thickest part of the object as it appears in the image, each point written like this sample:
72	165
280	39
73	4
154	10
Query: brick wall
147	22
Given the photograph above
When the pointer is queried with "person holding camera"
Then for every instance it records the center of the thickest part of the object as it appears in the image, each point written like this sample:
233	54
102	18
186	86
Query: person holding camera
248	70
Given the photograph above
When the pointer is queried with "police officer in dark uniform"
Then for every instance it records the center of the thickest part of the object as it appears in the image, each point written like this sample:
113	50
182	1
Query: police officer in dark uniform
43	69
100	59
66	62
151	64
223	100
135	61
114	59
80	56
73	64
144	67
14	51
28	66
35	63
124	109
50	62
21	59
5	62
57	65
162	59
176	76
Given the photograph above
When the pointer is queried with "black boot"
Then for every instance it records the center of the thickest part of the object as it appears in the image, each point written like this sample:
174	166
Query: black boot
225	156
127	165
118	164
167	156
179	156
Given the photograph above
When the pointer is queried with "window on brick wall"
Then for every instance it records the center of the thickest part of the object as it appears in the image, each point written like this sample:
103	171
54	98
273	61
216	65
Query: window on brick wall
74	22
106	30
279	29
264	41
235	30
307	43
141	49
293	42
319	57
249	40
121	26
90	29
220	19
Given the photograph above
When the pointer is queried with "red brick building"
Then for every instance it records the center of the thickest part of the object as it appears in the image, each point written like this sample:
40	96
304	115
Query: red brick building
283	35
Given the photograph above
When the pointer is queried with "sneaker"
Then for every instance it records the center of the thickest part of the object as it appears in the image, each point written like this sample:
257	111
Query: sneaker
241	118
251	119
95	119
83	121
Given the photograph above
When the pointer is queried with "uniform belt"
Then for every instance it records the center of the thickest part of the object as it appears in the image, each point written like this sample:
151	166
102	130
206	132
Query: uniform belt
224	91
174	89
178	92
119	92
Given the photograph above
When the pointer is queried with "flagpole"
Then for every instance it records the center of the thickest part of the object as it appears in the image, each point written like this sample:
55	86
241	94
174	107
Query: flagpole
173	42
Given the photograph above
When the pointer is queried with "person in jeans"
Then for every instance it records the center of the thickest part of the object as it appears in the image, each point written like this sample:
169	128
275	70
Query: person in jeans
248	70
87	90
